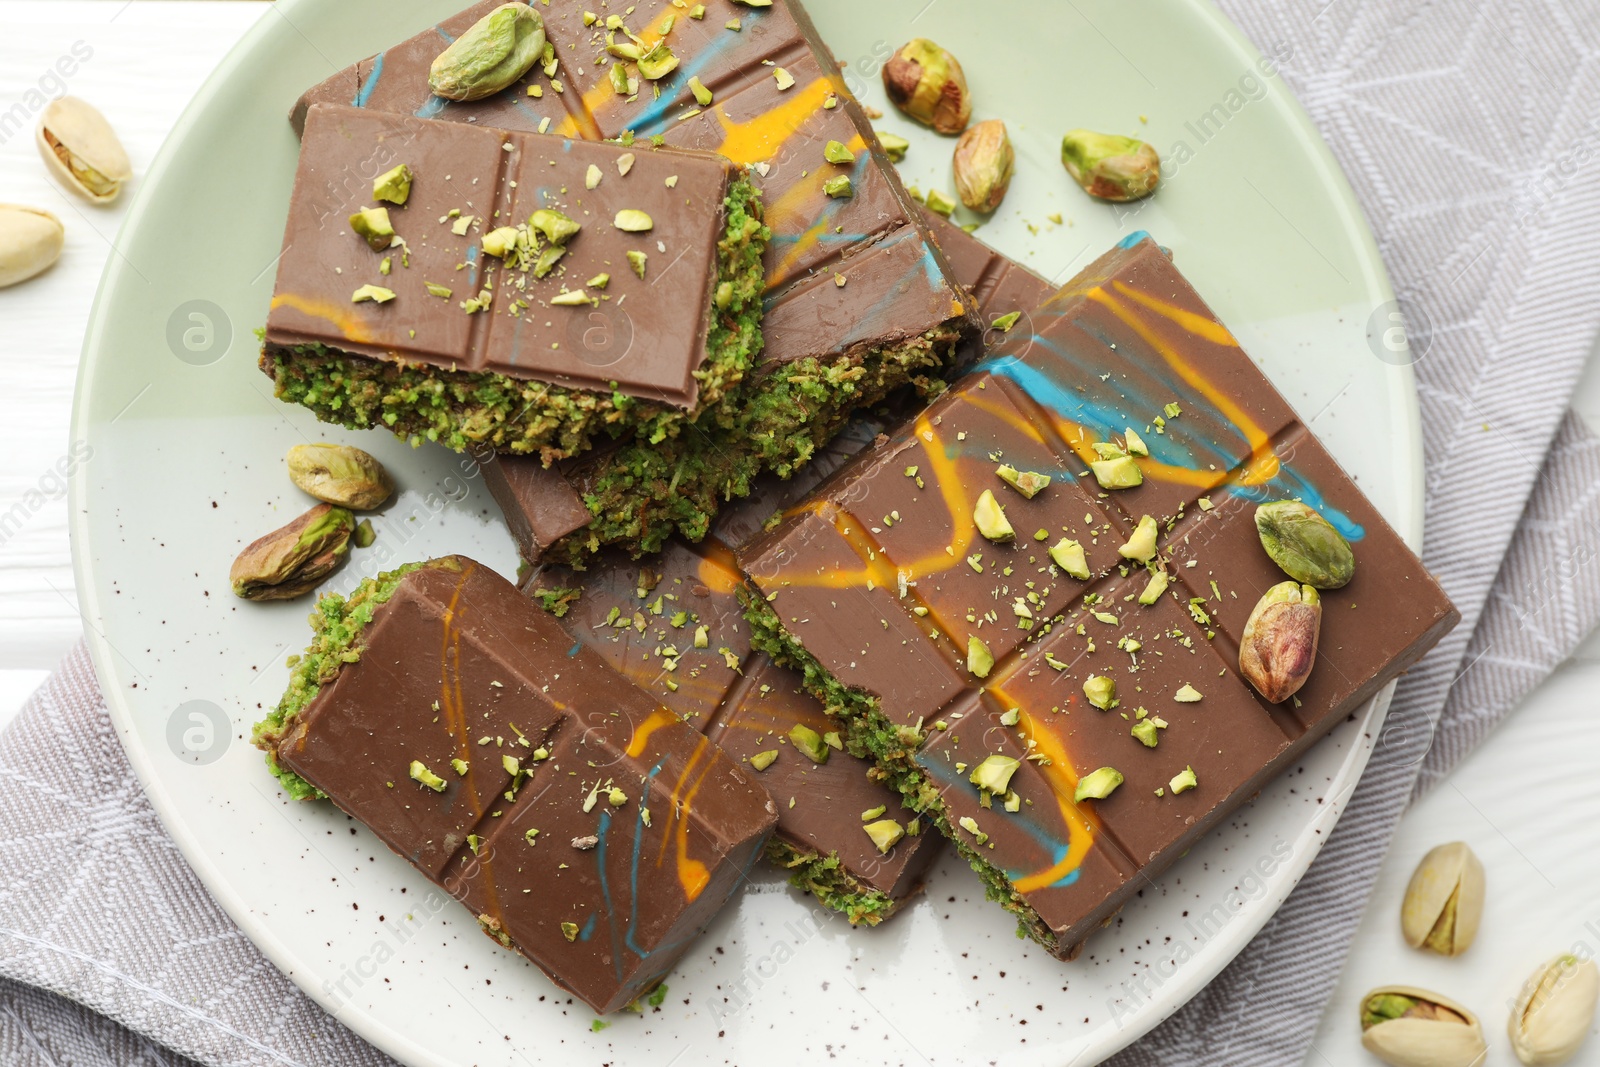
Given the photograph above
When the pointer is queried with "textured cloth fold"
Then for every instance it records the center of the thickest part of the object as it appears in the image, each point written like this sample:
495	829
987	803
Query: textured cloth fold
1470	136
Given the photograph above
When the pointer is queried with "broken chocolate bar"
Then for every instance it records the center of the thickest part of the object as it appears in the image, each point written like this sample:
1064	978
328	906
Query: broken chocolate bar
858	299
1028	603
507	290
584	824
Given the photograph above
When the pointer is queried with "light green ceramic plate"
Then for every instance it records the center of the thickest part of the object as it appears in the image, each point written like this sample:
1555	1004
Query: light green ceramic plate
188	445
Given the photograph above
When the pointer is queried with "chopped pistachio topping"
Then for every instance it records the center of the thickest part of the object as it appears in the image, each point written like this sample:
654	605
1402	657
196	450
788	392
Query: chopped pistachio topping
1006	321
1142	545
557	228
1097	784
372	225
632	221
836	152
376	293
702	637
616	796
833	741
365	534
1069	556
893	146
1120	472
530	835
1010	717
435	289
838	187
658	62
625	163
593	177
599	281
784	78
702	95
940	203
698	11
637	261
762	760
393	185
884	833
990	518
1101	691
1154	588
1184	780
873	813
500	242
809	742
993	775
980	661
573	298
1173	410
1135	443
420	773
1028	483
460	765
569	931
1187	695
1146	731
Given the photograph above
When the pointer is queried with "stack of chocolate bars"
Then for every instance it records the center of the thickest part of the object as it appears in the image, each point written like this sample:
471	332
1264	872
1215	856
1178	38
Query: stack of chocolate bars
818	569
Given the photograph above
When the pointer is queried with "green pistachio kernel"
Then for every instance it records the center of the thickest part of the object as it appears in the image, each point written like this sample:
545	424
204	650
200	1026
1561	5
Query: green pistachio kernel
1006	321
1101	691
1142	545
1188	694
702	95
420	773
599	281
500	242
637	261
571	299
441	291
940	203
1097	784
393	185
658	62
762	760
1154	588
372	225
809	742
632	221
980	661
990	519
569	931
993	775
838	187
893	146
1135	443
836	152
1184	780
1028	483
884	833
1069	556
1118	473
557	228
460	765
1147	732
375	293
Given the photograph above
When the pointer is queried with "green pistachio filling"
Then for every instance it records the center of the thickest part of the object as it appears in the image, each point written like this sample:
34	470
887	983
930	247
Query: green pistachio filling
870	732
337	626
462	410
824	877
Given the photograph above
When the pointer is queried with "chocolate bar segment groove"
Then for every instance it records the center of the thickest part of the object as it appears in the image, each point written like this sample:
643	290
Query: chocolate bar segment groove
992	666
584	824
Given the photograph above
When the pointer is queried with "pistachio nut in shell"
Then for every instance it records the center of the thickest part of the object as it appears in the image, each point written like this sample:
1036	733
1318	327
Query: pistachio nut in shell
493	54
1554	1012
927	83
1409	1027
82	150
1304	545
340	474
30	241
984	163
1444	901
293	559
1279	646
1109	166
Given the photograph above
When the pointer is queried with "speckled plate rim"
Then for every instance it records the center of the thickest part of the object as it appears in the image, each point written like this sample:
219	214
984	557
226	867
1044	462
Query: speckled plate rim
99	346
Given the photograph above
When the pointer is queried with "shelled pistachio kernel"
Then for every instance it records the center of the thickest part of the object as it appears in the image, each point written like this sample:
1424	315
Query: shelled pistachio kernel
980	661
885	833
1141	546
809	742
1097	784
1100	691
1069	556
1028	483
990	519
393	185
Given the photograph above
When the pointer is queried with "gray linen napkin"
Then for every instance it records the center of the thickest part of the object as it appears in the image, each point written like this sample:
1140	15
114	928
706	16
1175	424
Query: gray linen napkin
1471	137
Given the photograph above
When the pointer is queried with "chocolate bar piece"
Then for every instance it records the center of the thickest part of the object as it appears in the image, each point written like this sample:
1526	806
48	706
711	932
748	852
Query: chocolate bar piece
1072	719
536	293
584	824
674	627
858	301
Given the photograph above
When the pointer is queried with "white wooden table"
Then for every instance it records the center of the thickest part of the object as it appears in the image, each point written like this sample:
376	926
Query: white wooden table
149	57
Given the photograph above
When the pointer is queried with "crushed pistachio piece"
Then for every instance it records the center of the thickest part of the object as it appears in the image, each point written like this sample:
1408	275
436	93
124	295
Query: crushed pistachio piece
990	519
1029	483
784	79
874	813
592	177
420	773
702	95
1006	321
1120	472
441	291
1101	691
460	765
1141	546
993	775
1187	695
884	833
894	146
599	281
1069	556
637	260
393	185
980	661
572	298
809	742
836	152
570	932
372	225
1097	784
1154	588
1147	732
1135	443
1184	780
762	760
375	293
838	187
940	203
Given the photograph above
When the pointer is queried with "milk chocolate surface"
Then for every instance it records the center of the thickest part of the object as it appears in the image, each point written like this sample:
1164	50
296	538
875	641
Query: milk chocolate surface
525	737
777	102
476	180
885	580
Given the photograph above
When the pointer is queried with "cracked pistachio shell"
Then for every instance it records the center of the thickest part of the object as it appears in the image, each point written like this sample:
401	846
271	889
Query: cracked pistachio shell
291	560
82	150
30	241
1554	1013
1304	545
494	54
1279	646
340	474
1444	901
927	83
1409	1027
